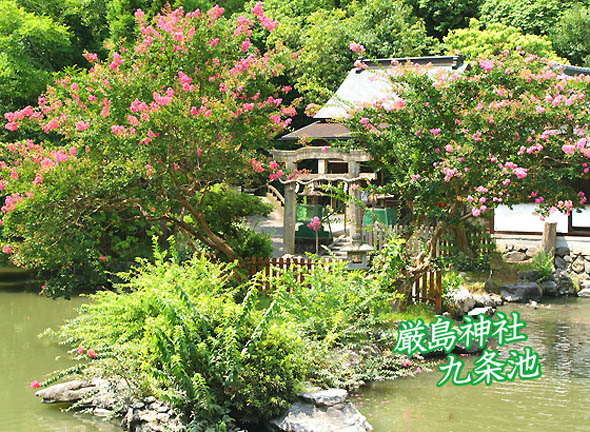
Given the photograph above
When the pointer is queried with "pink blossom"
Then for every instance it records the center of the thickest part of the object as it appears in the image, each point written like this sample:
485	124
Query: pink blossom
418	369
435	131
149	170
273	165
34	384
215	12
449	148
245	45
117	60
212	42
90	353
257	10
11	126
356	48
568	148
256	166
13	174
82	126
90	57
7	249
314	224
80	350
520	172
199	151
475	212
267	23
540	109
364	120
486	65
405	363
324	149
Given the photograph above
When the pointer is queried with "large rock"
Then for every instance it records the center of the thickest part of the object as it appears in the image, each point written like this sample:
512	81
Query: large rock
578	265
485	300
491	286
68	392
515	257
324	411
562	251
521	292
103	398
565	284
529	276
584	292
462	301
560	263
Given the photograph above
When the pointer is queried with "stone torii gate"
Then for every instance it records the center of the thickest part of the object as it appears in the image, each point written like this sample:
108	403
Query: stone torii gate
292	157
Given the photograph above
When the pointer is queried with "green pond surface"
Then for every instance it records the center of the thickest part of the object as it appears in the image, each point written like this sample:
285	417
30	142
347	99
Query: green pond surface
559	400
24	357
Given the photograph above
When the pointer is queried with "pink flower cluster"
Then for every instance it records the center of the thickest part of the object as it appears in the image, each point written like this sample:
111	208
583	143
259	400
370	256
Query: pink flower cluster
356	48
314	224
264	21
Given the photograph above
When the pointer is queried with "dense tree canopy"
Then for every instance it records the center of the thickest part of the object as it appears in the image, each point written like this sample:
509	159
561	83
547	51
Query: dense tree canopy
509	130
32	47
475	41
146	134
571	35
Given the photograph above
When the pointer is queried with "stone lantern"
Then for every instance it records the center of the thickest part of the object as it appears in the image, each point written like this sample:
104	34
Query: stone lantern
357	256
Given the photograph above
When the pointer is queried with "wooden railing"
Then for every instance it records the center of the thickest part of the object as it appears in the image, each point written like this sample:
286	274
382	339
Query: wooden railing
273	192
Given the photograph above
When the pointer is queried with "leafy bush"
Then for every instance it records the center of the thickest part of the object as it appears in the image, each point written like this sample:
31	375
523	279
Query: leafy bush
249	243
332	305
543	264
175	331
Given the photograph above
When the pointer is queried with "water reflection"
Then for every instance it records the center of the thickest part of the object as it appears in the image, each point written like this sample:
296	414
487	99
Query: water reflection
24	357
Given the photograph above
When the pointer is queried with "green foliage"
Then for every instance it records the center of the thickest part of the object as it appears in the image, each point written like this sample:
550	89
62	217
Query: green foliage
32	48
84	19
175	331
460	261
321	36
542	263
571	35
441	16
477	42
249	243
531	16
451	281
389	263
334	305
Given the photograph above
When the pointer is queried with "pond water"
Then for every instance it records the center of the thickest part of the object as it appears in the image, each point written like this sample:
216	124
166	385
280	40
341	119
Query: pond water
559	400
24	357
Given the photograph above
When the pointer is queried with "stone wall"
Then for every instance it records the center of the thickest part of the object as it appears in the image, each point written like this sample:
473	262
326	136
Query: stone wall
576	262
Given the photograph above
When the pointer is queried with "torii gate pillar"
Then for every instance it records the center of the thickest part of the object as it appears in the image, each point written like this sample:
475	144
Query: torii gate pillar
289	215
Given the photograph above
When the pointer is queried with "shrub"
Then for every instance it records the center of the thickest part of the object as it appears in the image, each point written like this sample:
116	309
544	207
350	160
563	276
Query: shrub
543	264
332	305
175	331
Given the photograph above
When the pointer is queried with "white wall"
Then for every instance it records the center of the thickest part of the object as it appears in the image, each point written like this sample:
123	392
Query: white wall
581	220
522	219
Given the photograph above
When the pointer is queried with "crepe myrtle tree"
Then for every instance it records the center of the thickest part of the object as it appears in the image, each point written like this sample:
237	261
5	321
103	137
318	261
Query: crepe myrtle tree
510	129
155	127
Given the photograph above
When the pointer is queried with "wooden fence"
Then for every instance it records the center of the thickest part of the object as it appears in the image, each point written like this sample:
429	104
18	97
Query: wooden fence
427	288
273	266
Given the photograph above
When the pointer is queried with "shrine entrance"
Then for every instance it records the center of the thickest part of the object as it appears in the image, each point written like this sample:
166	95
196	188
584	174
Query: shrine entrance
352	180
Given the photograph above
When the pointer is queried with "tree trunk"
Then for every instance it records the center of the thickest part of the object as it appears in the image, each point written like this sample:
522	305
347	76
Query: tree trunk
461	241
